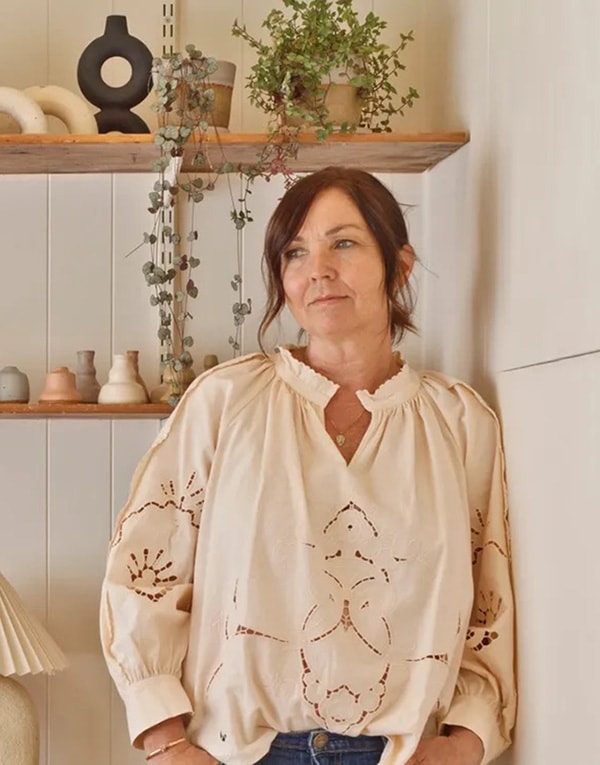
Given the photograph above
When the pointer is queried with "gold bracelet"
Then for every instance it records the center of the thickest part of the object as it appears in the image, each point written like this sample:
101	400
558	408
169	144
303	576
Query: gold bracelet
165	748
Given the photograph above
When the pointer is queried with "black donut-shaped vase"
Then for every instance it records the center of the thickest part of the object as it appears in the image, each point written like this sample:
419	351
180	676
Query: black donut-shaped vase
120	121
116	41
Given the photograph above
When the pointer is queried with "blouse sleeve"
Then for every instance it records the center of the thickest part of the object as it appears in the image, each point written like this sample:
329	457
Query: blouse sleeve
485	695
146	594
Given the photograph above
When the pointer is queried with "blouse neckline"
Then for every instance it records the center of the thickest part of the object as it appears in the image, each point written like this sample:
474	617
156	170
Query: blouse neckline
319	389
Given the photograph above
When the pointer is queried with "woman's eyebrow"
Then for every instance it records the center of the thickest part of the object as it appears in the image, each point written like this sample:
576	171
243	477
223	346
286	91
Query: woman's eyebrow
334	230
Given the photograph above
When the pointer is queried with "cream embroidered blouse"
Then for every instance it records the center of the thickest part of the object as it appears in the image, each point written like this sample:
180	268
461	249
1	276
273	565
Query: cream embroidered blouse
257	583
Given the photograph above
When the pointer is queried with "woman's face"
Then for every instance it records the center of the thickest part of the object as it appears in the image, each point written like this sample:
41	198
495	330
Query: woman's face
333	272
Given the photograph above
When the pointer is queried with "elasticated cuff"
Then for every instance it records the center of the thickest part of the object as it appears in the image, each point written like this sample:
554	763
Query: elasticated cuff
152	700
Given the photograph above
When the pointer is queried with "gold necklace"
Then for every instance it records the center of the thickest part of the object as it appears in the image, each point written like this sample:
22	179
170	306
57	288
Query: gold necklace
340	437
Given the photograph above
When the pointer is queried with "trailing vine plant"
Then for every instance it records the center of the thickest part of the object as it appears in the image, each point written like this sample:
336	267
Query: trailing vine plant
184	105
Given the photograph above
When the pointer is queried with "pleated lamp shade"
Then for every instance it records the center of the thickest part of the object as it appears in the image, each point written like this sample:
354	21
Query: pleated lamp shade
25	646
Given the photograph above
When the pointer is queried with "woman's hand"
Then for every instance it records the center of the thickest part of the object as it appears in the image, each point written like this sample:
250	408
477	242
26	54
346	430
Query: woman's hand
184	754
460	747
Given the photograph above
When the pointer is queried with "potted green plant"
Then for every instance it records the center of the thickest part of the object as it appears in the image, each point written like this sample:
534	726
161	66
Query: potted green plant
185	103
311	43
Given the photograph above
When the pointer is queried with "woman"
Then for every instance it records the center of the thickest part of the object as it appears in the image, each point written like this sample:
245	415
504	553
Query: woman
313	560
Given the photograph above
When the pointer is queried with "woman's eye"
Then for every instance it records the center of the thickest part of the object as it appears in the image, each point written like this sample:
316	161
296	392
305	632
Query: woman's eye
343	244
294	252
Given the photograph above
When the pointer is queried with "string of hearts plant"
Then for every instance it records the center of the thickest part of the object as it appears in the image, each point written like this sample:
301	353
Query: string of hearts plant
184	105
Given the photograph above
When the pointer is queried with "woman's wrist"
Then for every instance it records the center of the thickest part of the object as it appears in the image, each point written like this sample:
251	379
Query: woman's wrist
469	742
166	732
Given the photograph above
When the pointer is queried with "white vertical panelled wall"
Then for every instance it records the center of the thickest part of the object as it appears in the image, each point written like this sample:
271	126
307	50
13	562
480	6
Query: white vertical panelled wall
513	238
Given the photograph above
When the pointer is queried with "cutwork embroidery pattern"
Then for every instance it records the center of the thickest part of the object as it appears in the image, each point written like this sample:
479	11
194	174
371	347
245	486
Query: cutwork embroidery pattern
148	573
488	604
352	536
353	556
476	534
148	570
189	503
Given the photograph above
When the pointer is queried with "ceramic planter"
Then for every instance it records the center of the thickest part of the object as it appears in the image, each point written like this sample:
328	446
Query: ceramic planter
342	101
14	386
221	83
60	387
122	387
134	358
86	381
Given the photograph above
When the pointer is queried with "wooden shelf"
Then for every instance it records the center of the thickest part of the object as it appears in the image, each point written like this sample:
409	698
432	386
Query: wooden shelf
85	411
116	153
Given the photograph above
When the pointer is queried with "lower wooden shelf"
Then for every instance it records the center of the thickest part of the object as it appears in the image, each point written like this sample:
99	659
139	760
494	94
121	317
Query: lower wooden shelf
85	411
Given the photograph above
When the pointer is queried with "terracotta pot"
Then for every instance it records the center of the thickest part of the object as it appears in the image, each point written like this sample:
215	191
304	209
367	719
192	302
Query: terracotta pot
60	387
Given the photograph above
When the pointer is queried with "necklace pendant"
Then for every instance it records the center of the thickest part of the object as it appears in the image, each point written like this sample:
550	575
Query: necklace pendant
340	439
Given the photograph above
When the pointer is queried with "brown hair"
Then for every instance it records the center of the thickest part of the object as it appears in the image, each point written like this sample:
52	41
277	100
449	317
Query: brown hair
381	213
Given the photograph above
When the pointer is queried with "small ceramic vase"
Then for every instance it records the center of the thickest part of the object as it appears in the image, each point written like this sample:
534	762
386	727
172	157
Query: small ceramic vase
14	385
173	384
121	387
134	358
210	361
87	384
60	387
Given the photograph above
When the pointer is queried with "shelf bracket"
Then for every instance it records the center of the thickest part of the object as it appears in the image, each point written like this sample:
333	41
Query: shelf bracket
169	27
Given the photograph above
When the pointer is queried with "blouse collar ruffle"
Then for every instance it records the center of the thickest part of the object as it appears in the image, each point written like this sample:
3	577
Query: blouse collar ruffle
319	389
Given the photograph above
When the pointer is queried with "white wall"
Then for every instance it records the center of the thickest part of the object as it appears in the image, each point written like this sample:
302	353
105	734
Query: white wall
516	312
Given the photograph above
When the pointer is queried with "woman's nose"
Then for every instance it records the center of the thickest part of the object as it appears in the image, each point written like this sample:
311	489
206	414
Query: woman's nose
321	264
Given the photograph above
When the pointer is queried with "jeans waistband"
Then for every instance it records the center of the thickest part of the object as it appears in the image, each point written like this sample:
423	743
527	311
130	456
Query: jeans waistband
321	741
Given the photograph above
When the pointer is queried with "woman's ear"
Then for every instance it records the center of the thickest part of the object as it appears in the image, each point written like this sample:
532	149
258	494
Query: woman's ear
407	259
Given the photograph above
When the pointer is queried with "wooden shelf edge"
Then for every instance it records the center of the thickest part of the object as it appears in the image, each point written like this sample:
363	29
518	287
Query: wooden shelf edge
229	139
377	152
85	411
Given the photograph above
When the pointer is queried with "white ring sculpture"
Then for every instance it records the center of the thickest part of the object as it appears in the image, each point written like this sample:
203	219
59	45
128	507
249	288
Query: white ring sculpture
24	110
67	106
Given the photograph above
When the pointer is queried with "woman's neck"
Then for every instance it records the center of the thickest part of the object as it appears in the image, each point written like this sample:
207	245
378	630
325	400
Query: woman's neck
352	366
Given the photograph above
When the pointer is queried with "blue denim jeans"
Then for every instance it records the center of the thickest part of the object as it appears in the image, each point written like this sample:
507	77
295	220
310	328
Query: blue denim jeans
319	747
